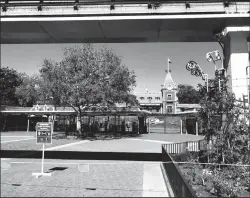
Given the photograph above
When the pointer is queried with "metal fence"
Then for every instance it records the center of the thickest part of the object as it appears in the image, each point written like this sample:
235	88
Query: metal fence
184	146
179	185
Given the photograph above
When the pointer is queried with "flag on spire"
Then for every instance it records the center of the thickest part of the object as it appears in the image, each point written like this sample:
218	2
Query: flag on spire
169	61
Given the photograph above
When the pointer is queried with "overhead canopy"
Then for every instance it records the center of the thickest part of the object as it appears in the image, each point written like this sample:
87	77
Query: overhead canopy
48	110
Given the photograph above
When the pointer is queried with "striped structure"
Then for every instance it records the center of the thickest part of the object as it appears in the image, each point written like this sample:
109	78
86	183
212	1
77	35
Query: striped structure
184	146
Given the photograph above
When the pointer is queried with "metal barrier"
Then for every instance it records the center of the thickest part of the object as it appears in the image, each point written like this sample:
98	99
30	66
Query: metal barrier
184	146
179	185
108	2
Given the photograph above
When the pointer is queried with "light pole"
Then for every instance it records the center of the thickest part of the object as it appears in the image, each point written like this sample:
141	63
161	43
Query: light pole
195	70
213	56
205	77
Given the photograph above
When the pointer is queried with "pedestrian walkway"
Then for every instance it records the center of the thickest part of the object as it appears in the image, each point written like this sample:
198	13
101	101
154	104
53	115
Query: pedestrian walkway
104	179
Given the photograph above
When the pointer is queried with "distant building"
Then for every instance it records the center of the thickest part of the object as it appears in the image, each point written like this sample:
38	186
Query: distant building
166	100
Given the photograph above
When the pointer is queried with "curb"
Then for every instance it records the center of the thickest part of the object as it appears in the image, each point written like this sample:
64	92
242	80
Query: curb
168	185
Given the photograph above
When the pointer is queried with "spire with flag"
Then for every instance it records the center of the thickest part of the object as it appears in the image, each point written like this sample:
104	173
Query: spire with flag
168	70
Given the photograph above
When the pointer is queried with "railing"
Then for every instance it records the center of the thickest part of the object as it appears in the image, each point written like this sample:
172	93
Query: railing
179	185
106	2
184	146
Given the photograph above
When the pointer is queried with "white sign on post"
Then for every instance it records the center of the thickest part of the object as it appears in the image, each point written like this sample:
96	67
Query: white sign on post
43	136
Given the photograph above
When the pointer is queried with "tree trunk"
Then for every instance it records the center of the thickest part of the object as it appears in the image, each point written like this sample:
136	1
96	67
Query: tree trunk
79	122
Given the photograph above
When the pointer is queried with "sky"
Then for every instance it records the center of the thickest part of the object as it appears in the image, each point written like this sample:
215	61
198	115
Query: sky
148	60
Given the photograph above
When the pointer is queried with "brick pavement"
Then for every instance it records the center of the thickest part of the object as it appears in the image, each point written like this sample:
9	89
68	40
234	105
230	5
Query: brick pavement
104	180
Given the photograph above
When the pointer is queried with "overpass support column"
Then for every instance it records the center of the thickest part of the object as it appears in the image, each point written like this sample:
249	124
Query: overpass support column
236	53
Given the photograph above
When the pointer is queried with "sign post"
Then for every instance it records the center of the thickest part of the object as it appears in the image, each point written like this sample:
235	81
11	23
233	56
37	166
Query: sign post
43	136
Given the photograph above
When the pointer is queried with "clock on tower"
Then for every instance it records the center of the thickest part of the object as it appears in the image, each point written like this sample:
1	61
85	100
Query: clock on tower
169	87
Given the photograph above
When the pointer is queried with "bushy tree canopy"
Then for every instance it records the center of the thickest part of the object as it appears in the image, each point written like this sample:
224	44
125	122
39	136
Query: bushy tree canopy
27	92
187	94
87	76
9	80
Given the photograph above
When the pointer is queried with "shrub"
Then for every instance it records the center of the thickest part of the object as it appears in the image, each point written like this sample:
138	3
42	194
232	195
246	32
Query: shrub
225	182
182	157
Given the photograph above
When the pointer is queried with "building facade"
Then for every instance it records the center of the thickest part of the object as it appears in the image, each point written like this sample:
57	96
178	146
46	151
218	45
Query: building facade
165	101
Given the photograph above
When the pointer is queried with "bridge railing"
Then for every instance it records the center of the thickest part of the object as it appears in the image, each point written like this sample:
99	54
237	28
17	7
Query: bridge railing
106	2
193	146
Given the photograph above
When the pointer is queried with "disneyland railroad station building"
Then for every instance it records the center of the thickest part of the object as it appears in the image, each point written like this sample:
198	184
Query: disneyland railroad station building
165	101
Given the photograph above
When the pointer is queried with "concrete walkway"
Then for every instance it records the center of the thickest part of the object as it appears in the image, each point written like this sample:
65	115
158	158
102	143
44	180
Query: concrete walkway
153	182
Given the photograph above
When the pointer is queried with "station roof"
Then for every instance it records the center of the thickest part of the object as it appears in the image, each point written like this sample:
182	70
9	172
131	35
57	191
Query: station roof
129	111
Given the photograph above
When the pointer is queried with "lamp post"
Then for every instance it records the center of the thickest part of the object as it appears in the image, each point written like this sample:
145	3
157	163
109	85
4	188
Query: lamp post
213	57
195	70
205	77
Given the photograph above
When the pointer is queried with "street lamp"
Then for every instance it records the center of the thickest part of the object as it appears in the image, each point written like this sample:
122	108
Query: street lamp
195	69
213	56
205	77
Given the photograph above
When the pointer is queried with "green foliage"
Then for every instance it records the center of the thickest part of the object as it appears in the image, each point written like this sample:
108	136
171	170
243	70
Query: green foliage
182	157
222	121
228	182
186	156
86	77
9	80
187	94
27	92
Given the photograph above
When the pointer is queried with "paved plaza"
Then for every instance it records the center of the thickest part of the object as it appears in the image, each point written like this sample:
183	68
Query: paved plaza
104	179
78	178
148	143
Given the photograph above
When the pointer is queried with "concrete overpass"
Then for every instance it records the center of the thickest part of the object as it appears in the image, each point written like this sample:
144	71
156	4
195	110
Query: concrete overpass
125	21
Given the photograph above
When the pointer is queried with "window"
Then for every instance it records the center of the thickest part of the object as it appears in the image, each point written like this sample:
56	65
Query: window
169	109
169	97
157	98
149	98
141	98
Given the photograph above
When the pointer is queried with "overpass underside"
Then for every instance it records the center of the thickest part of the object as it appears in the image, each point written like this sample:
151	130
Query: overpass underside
129	21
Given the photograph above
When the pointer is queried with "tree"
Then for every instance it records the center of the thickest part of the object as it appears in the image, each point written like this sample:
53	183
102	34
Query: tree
222	120
9	80
27	92
87	77
187	94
